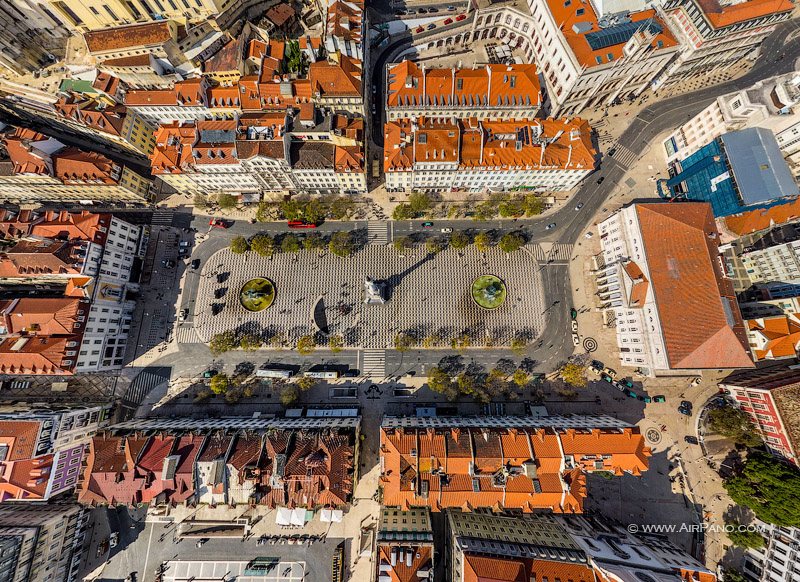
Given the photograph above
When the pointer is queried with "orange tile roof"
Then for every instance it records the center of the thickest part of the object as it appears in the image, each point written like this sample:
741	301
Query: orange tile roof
761	218
42	257
122	37
345	20
63	225
720	16
73	165
19	437
693	299
336	79
781	334
472	467
20	152
38	316
475	144
402	571
44	355
490	569
493	85
575	27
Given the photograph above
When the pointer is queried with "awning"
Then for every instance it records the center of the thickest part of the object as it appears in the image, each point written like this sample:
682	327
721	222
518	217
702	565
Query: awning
283	516
298	517
334	515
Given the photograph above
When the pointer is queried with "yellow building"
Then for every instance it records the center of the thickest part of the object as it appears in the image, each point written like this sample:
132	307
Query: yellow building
138	132
134	182
96	14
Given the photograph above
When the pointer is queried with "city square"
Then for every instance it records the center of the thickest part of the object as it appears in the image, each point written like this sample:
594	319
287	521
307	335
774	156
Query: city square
426	296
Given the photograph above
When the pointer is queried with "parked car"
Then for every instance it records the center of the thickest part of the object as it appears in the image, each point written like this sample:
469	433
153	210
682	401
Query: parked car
606	378
431	26
574	326
461	17
596	365
220	223
630	393
695	381
433	10
183	315
687	404
447	230
691	440
422	11
427	224
210	373
196	264
659	398
611	372
601	179
419	29
589	234
575	339
685	410
167	263
612	151
645	399
451	8
448	21
550	226
579	206
627	383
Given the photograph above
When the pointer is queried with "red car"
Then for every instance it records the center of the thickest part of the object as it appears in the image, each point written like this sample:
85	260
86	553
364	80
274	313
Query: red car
461	17
219	223
449	21
420	29
301	224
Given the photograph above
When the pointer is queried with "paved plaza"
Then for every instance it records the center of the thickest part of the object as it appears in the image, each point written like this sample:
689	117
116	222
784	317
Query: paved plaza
426	294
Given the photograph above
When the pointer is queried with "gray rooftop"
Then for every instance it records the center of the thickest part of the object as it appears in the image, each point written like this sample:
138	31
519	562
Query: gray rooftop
760	171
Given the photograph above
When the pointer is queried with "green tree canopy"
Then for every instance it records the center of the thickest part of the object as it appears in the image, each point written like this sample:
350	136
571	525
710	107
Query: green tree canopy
290	244
482	242
220	384
239	245
403	211
306	345
293	209
520	377
336	343
420	203
250	342
341	244
459	239
227	201
440	381
434	245
289	394
533	205
263	244
513	208
511	241
732	422
200	200
341	207
403	342
222	342
519	345
313	241
305	384
573	374
742	536
402	243
769	487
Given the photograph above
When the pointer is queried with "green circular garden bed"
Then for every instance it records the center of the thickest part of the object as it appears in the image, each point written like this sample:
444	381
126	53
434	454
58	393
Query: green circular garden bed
489	291
257	294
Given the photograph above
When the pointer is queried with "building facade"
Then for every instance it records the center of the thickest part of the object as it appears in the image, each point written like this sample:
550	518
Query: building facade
769	396
405	544
476	155
32	36
662	322
776	561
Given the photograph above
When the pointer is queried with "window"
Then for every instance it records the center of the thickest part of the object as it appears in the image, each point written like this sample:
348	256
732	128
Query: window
580	11
110	12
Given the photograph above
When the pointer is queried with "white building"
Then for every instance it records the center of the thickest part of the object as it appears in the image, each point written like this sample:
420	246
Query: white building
777	560
779	262
474	155
660	282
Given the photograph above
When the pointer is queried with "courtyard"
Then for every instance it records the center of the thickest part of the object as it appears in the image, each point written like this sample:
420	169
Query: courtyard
427	297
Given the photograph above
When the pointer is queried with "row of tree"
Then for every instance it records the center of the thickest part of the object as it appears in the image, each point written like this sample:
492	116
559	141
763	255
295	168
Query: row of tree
421	204
340	243
460	239
306	209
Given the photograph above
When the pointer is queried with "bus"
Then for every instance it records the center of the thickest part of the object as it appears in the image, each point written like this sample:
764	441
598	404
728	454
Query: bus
273	373
322	374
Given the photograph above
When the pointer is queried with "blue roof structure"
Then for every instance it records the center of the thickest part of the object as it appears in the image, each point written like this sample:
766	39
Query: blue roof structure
738	170
619	34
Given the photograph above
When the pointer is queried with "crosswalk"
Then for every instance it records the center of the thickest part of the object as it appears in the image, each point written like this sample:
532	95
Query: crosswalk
373	363
624	156
147	379
560	252
377	232
163	216
185	334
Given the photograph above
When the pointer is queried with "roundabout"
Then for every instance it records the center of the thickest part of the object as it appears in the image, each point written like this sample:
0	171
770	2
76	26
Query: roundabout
489	291
257	294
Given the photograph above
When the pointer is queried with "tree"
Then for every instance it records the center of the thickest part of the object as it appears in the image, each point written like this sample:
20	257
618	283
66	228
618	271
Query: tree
336	343
263	244
461	342
484	211
459	239
403	211
314	211
734	423
306	345
403	342
482	242
513	208
731	575
239	245
433	245
420	203
200	201
250	342
313	241
402	243
440	381
519	345
305	384
743	536
431	340
290	244
520	377
222	342
573	374
227	201
341	208
533	205
289	394
341	244
769	487
293	209
511	241
220	384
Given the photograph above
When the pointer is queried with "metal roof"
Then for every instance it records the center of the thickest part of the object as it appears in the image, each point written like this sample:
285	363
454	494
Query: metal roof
620	33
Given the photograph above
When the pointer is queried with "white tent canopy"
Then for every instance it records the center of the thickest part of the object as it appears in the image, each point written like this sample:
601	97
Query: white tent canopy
334	515
298	517
283	516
